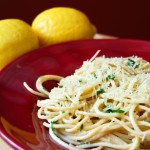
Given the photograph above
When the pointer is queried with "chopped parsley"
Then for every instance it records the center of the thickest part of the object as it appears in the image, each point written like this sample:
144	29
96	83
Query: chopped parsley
137	66
114	111
60	86
95	76
110	77
80	81
52	125
131	62
81	127
100	91
67	98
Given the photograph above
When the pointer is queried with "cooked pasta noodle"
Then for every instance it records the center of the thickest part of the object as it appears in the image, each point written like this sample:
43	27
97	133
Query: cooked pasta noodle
104	104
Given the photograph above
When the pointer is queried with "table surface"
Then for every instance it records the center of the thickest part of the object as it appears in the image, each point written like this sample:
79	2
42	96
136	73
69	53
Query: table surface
3	144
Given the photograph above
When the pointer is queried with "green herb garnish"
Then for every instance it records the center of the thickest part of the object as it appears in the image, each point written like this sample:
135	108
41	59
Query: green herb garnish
95	75
60	86
52	125
131	62
67	98
137	66
81	127
110	77
114	111
80	81
100	91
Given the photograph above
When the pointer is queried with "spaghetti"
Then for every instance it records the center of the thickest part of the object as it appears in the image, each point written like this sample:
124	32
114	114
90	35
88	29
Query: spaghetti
104	104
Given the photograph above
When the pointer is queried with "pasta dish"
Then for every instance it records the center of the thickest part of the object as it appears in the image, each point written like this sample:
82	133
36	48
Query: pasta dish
104	104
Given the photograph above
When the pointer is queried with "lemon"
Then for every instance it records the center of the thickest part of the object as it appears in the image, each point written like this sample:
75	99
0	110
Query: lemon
16	39
61	24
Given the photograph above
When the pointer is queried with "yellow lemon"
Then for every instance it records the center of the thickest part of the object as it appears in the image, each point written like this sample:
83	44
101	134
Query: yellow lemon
16	39
60	24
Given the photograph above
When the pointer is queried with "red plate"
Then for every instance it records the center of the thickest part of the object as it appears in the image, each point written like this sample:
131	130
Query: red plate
18	122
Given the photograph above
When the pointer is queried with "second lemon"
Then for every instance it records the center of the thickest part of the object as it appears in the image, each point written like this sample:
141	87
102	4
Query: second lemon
61	24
